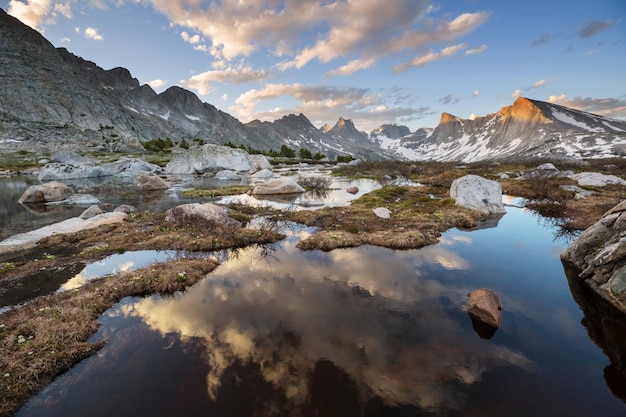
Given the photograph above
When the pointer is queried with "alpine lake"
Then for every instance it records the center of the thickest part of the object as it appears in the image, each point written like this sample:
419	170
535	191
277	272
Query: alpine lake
366	331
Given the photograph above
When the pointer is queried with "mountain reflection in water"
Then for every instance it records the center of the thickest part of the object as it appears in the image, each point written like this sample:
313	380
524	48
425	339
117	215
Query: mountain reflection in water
363	331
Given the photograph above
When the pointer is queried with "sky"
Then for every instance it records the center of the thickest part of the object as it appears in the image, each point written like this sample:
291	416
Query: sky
372	61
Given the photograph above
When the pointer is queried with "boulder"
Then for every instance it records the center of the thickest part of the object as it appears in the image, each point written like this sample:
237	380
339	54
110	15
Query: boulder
64	171
596	179
227	175
188	213
148	181
352	190
90	212
547	167
382	212
214	158
478	193
484	306
44	193
130	167
264	173
598	256
278	186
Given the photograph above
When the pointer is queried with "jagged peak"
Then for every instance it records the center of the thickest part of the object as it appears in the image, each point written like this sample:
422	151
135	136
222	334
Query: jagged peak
325	128
524	110
447	118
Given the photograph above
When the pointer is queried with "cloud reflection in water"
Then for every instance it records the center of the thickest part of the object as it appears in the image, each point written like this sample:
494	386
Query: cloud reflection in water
374	313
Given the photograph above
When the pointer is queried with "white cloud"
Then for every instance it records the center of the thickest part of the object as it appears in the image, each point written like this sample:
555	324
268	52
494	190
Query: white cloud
352	67
191	39
235	75
476	93
428	57
224	97
157	83
31	12
64	9
610	107
92	33
516	94
65	40
306	30
478	50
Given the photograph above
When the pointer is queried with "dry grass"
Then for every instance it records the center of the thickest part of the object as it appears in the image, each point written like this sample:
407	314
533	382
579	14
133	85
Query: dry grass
416	220
46	337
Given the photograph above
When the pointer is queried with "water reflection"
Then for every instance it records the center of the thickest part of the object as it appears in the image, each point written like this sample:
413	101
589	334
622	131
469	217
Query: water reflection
362	331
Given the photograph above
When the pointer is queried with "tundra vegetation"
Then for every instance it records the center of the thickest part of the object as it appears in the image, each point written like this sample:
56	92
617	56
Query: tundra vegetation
47	336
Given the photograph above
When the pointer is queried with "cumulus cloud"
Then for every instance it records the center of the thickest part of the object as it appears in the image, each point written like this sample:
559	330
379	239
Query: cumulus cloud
312	30
592	28
324	104
610	107
157	83
235	75
191	39
516	94
92	33
31	12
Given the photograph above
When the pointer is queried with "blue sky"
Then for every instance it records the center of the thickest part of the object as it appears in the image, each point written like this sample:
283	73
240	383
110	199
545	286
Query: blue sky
372	61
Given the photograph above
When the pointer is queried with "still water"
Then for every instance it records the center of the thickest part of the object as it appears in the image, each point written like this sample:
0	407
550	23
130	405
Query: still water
366	331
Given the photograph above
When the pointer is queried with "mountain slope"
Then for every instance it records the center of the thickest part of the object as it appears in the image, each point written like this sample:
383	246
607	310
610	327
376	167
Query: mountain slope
528	128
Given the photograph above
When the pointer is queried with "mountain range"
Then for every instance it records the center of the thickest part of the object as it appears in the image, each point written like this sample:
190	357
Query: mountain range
51	99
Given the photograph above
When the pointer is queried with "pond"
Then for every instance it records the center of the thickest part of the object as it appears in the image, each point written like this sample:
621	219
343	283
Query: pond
368	331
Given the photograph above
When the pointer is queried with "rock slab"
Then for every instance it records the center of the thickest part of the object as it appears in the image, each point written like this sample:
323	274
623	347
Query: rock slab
278	186
478	193
188	213
484	305
599	256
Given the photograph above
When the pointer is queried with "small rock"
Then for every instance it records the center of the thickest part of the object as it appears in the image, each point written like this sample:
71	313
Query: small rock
484	305
195	211
278	186
547	167
90	212
596	179
382	212
227	175
264	173
352	190
124	208
148	181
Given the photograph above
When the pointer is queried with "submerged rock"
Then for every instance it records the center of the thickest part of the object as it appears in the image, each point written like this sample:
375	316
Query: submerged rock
598	256
478	193
77	200
44	193
484	305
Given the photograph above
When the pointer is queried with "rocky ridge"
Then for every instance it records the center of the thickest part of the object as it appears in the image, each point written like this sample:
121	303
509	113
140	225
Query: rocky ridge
52	100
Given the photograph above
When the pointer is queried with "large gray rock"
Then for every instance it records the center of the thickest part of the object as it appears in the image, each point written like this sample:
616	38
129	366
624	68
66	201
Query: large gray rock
227	175
127	167
278	186
484	305
596	179
45	193
71	158
214	158
478	193
77	200
190	213
599	256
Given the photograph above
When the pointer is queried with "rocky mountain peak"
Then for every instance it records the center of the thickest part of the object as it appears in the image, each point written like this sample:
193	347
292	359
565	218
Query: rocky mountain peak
391	131
525	110
447	118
